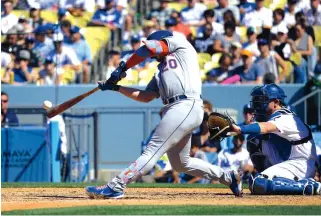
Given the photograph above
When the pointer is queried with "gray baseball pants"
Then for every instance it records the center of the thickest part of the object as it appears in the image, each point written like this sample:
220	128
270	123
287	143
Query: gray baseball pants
173	136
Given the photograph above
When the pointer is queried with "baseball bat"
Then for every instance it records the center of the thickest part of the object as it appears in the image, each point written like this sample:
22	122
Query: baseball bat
69	103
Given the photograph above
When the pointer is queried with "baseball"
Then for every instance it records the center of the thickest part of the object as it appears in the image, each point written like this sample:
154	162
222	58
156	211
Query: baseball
47	104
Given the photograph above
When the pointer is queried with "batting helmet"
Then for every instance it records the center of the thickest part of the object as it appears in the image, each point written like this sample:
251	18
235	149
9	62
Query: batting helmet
159	35
262	96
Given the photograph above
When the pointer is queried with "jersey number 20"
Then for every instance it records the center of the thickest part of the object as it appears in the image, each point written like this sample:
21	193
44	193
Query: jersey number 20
172	64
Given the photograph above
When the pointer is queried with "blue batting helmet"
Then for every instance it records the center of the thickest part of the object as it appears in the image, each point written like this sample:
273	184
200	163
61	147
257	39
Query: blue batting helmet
263	95
159	35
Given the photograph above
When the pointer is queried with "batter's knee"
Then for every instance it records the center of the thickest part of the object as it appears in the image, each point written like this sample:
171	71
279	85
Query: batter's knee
260	184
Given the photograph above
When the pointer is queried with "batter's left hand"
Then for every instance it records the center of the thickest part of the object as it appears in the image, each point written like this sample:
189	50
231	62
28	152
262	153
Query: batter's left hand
118	73
106	85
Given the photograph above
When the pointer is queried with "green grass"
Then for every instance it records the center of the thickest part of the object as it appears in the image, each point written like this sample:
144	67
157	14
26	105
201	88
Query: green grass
174	210
81	185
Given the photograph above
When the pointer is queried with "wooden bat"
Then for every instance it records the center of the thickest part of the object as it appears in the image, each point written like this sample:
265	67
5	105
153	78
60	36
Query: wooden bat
69	103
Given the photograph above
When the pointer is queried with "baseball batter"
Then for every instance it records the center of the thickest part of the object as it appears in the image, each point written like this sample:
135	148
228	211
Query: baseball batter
178	84
286	143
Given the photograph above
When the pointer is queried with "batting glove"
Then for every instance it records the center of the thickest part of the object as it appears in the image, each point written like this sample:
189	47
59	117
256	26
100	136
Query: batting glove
106	85
118	73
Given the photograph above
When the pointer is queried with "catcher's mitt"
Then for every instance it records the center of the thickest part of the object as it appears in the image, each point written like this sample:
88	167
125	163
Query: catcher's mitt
219	125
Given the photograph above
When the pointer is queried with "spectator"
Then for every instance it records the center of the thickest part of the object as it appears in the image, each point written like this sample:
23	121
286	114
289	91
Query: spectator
249	73
34	13
65	26
22	72
269	78
237	158
8	117
304	46
245	7
290	10
278	20
77	7
25	23
219	74
195	152
34	58
109	16
62	14
223	6
8	19
162	13
7	65
209	17
48	75
235	51
281	45
170	25
206	42
63	153
223	42
260	17
82	50
148	28
21	34
251	43
127	32
113	62
192	14
181	27
164	172
269	61
63	56
43	45
9	45
44	4
314	13
248	115
301	18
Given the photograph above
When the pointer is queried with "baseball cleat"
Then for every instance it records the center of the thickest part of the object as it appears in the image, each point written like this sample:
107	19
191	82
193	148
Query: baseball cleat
236	185
103	192
316	186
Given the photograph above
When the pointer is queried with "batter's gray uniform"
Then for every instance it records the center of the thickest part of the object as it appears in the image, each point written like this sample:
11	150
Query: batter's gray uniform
178	75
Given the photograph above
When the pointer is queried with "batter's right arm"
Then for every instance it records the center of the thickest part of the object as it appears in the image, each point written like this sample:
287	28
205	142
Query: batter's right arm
138	95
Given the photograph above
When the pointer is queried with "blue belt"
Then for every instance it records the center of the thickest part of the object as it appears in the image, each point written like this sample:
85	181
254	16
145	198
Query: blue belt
174	99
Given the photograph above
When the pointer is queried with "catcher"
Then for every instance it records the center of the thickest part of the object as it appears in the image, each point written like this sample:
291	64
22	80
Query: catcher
282	142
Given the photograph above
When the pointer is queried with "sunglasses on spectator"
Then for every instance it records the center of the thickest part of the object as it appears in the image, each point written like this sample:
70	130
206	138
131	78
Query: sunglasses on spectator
4	101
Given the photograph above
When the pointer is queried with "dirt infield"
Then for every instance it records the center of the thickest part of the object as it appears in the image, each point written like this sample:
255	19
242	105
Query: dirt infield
32	198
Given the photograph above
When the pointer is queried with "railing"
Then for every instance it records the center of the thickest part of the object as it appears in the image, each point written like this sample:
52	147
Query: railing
304	101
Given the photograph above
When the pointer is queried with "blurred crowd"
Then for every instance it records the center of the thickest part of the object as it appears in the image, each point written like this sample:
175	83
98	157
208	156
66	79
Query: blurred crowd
238	41
229	154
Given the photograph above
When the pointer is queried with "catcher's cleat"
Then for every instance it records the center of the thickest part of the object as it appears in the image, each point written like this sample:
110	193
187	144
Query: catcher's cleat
316	186
236	185
103	192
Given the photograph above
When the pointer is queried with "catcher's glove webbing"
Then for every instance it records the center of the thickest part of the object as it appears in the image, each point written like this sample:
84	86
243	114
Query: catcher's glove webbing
219	125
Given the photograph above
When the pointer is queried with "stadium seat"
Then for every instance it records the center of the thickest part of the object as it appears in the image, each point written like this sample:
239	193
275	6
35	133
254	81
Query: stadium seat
203	58
20	13
278	4
176	6
69	76
296	58
242	31
49	16
96	37
216	57
131	78
288	72
210	65
80	21
317	33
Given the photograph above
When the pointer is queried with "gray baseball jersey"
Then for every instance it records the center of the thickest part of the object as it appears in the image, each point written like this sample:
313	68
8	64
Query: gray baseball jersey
179	73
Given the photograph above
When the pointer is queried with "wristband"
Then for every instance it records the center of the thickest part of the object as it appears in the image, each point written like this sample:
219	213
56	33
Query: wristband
115	87
253	129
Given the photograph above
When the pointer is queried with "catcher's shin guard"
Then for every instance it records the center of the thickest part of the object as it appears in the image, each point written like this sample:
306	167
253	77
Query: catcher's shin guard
261	185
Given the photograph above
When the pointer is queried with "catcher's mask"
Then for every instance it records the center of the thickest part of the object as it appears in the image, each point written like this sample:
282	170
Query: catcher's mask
262	96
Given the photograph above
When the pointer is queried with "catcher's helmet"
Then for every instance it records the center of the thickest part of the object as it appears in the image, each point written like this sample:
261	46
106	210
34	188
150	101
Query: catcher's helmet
263	95
159	35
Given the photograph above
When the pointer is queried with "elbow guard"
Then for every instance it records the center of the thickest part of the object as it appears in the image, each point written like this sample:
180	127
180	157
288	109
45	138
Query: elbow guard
156	47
